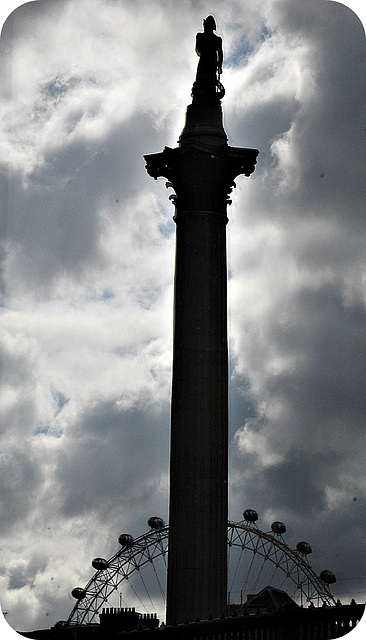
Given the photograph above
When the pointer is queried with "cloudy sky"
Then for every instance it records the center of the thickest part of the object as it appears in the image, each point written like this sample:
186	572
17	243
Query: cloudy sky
88	87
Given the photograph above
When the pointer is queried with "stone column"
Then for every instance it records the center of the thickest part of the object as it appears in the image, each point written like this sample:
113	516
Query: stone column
201	171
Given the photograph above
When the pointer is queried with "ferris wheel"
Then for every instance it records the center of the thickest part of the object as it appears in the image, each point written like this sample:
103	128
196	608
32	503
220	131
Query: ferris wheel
135	576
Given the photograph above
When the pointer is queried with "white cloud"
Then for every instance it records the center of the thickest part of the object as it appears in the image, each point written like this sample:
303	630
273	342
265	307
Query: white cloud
250	442
89	270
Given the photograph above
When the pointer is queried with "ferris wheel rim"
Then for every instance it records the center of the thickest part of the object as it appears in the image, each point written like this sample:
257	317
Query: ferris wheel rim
321	590
154	535
107	580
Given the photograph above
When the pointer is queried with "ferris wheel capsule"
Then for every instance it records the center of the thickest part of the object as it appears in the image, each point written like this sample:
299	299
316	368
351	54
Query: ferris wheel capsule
304	548
156	523
78	593
126	540
250	515
328	577
278	527
99	563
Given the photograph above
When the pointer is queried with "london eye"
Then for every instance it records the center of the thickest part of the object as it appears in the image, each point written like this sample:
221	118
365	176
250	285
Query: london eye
135	576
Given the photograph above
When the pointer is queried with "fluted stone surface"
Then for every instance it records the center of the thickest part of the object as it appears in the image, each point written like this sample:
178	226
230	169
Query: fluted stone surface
199	419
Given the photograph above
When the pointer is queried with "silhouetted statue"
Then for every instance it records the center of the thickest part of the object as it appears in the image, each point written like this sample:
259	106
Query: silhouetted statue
207	89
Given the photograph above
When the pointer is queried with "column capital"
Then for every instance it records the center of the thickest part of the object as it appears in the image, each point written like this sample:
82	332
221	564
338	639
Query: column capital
201	175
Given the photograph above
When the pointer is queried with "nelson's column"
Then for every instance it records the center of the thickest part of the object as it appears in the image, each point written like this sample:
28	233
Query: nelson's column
201	170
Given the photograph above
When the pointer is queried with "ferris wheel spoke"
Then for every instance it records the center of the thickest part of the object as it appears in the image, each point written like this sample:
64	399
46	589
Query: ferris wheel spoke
146	590
259	574
158	581
138	598
237	566
246	582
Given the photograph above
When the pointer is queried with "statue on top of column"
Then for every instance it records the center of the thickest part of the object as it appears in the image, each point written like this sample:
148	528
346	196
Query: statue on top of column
207	88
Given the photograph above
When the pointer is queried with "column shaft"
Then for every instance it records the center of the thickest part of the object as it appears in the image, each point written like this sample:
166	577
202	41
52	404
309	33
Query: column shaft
199	434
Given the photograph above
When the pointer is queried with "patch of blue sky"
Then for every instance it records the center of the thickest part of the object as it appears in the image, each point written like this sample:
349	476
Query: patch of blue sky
107	294
166	229
124	352
239	54
244	47
47	430
166	211
148	297
59	86
265	33
61	400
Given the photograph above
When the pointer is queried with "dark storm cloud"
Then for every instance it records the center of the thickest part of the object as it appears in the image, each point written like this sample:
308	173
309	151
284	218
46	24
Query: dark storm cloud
296	483
331	377
320	325
26	572
57	215
313	138
327	137
112	458
298	314
325	387
21	481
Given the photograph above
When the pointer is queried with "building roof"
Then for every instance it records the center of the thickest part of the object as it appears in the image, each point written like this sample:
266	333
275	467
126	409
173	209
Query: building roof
269	600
